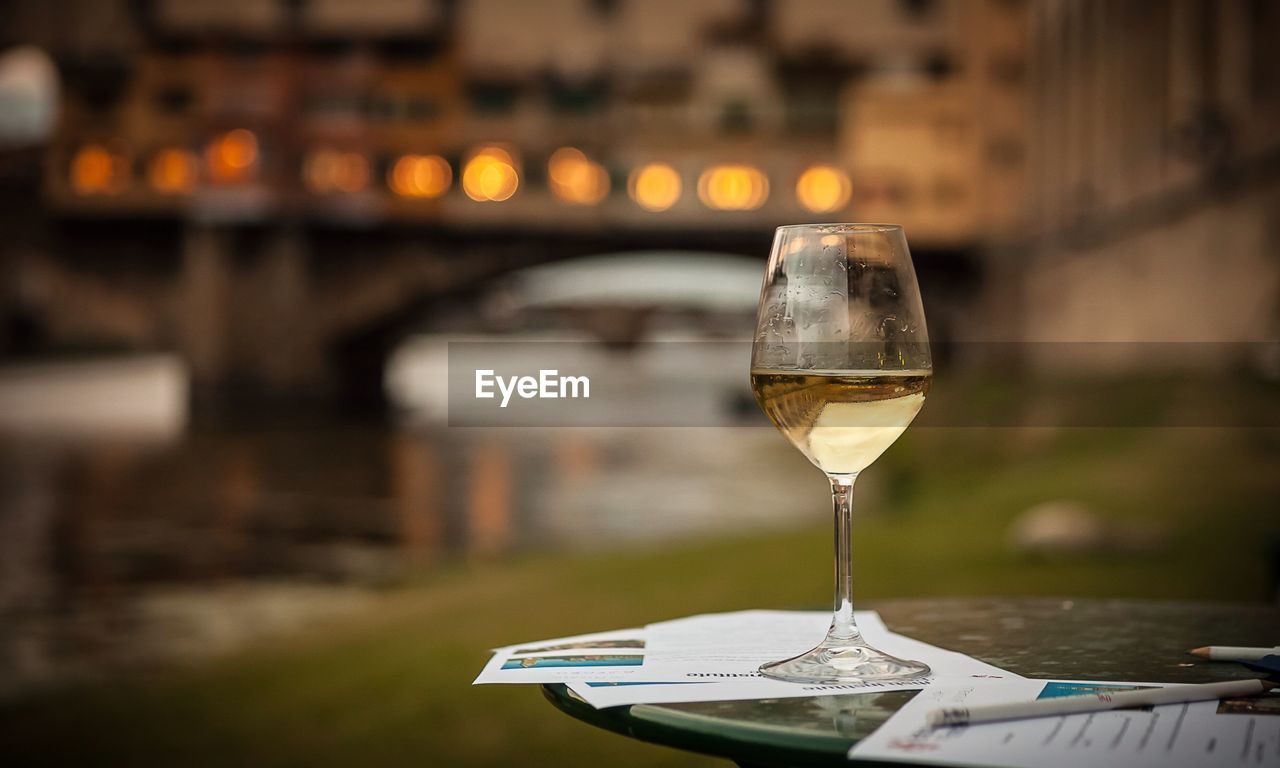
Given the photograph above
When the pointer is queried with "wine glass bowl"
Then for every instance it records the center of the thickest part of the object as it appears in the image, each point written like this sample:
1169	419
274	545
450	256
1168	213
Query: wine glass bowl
840	364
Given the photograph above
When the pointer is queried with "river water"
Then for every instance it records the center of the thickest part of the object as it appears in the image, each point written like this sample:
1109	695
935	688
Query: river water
115	553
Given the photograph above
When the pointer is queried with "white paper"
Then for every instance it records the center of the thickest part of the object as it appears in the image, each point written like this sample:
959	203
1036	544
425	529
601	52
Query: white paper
764	636
713	657
731	644
589	655
758	633
617	694
1192	735
706	647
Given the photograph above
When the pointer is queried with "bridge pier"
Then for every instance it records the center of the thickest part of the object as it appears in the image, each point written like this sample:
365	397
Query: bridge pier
245	313
279	339
202	311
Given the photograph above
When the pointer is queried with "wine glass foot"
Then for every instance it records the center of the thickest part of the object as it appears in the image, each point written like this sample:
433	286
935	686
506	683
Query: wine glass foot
844	661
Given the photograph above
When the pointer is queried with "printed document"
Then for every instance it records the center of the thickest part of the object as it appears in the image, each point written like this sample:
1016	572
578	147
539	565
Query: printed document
1231	733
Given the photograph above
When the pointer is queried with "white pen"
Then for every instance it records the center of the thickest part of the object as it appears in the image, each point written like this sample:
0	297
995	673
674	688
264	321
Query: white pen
1095	702
1233	652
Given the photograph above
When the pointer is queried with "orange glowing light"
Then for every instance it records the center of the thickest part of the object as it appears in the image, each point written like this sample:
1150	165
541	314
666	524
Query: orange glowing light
328	170
565	164
172	171
575	178
95	170
423	176
655	187
823	188
233	156
490	175
733	187
353	173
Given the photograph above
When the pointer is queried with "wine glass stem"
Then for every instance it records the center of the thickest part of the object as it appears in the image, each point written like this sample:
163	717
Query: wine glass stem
842	626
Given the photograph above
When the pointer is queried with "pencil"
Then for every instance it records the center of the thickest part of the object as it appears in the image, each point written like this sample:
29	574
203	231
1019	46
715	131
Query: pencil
1233	652
1095	702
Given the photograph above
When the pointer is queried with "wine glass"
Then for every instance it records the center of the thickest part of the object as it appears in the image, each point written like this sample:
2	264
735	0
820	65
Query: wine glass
840	364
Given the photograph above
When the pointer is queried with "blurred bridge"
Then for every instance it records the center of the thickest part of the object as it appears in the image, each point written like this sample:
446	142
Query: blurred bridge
300	307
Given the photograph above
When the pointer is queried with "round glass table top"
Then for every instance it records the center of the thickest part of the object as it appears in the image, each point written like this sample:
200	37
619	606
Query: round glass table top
1071	639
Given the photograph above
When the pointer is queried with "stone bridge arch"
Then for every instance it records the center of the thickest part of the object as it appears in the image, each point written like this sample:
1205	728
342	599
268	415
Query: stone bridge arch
427	283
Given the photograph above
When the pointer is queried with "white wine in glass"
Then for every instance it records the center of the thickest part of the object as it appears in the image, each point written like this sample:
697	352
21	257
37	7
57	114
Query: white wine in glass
841	365
841	420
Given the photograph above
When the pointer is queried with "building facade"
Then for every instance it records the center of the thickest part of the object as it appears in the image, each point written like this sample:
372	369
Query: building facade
725	114
1154	190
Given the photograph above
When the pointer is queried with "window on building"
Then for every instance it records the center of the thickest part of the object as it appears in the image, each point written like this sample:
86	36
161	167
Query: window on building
245	52
1009	6
811	84
1007	69
410	50
334	105
173	99
420	109
99	79
736	117
658	102
576	97
382	108
939	65
812	112
487	98
1005	150
605	8
918	10
410	108
327	49
1264	77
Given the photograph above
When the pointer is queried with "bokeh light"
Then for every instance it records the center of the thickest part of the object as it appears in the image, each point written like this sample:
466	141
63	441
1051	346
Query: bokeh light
327	171
424	176
490	175
823	188
96	170
233	156
733	187
172	171
655	186
575	178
